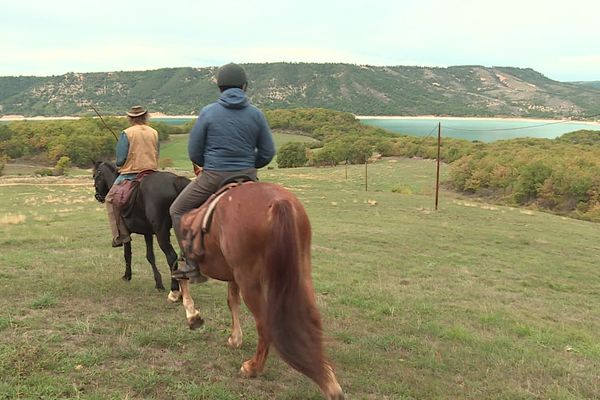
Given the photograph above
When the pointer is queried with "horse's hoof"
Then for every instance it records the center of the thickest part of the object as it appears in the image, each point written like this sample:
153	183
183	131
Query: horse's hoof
160	288
233	343
195	322
247	371
174	296
334	393
126	278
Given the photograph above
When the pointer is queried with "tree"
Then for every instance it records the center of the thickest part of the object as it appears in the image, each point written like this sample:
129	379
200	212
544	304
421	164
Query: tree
292	155
530	180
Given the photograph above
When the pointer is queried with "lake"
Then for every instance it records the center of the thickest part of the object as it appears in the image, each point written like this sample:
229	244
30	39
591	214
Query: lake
482	129
173	120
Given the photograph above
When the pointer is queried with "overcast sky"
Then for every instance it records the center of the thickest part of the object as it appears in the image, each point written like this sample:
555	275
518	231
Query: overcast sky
560	39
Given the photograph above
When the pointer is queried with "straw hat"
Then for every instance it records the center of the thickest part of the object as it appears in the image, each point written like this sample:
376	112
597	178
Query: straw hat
136	111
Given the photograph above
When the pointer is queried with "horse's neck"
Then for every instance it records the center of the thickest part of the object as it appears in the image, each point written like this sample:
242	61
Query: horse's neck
110	176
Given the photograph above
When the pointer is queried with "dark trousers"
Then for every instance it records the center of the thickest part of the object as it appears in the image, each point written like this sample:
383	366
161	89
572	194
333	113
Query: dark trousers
198	191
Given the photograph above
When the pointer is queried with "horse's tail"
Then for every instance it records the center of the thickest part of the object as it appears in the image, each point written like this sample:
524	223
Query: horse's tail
292	318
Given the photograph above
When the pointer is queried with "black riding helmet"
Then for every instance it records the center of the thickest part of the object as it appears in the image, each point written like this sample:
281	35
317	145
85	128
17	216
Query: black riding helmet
231	75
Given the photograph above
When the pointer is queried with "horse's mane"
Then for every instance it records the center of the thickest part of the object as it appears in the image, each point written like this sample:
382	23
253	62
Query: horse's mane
112	166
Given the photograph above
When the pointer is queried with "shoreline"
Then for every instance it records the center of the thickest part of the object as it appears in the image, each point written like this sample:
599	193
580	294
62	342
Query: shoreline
13	118
511	119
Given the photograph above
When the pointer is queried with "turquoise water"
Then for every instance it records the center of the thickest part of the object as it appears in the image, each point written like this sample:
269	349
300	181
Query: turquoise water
484	130
173	121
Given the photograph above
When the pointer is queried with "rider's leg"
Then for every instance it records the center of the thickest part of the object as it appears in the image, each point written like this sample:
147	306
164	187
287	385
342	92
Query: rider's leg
193	196
120	233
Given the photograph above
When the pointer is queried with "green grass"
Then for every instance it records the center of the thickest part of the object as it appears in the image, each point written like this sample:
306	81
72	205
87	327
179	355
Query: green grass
472	301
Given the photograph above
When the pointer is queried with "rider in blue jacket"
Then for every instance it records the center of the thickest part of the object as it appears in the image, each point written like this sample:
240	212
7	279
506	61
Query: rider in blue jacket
230	138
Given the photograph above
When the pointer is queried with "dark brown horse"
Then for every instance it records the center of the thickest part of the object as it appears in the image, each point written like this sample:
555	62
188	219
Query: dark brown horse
259	242
149	215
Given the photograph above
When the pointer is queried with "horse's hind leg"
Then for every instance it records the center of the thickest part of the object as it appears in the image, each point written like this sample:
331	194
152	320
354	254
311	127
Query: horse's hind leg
254	300
192	315
127	256
152	260
233	301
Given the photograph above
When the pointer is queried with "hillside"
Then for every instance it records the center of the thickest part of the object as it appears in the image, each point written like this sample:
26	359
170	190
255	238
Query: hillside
364	90
592	84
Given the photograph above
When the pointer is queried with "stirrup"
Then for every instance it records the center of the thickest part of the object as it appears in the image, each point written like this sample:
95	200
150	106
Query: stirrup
186	270
118	241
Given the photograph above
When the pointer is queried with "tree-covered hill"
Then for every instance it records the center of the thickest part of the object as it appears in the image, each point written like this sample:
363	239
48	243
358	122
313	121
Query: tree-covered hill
360	89
593	84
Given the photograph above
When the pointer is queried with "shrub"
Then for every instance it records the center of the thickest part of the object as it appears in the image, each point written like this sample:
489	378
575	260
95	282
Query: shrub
2	164
62	165
291	155
166	162
530	180
43	172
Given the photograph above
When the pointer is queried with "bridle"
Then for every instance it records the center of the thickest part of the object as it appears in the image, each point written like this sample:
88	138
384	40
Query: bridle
98	176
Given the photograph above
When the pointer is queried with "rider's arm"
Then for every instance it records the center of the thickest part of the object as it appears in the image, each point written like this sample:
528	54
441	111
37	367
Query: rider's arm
122	149
197	140
265	148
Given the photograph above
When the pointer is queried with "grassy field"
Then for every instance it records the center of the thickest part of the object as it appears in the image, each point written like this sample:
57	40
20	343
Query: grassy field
472	301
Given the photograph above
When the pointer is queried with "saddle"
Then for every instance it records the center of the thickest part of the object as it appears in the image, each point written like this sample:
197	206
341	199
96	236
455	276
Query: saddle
196	223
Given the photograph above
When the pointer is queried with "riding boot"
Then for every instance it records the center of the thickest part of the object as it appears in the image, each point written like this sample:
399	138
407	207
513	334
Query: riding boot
187	269
119	231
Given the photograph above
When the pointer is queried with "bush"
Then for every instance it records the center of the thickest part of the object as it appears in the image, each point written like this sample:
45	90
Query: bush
292	155
530	180
43	172
324	157
166	162
62	165
2	164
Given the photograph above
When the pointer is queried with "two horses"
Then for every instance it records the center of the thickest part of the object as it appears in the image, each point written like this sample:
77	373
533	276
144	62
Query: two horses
259	243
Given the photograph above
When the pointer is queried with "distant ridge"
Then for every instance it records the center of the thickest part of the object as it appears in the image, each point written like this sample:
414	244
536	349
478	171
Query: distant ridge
361	89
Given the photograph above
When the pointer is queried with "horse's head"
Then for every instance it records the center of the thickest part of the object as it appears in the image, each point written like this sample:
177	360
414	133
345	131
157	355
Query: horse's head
104	175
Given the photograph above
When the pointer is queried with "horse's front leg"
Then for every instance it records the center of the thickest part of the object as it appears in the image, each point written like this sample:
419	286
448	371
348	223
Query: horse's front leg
127	255
233	301
152	260
192	315
164	242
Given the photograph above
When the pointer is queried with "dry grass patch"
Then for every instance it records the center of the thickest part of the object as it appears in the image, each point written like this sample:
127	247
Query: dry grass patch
12	219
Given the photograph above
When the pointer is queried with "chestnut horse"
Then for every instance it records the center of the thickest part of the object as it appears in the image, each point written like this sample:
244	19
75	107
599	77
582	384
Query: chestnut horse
259	242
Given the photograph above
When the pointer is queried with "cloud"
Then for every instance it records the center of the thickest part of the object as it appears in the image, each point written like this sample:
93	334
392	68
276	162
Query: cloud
57	61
